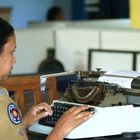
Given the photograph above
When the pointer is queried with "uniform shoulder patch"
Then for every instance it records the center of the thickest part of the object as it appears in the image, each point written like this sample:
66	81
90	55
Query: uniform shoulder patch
14	114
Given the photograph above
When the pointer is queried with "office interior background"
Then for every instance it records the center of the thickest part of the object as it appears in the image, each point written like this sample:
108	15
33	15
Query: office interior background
23	12
89	26
94	34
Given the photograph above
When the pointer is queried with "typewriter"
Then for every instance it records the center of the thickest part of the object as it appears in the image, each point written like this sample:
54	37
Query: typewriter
114	99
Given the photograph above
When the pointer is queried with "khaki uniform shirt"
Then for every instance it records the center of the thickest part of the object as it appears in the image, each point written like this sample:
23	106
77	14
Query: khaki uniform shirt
11	127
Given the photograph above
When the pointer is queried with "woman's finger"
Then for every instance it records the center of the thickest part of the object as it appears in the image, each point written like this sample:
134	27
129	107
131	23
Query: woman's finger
83	116
77	110
43	107
42	115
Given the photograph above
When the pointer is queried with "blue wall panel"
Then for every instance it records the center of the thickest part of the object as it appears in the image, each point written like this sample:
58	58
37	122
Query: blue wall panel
32	10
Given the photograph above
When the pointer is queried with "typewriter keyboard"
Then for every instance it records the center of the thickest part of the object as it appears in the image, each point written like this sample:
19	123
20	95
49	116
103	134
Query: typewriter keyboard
59	107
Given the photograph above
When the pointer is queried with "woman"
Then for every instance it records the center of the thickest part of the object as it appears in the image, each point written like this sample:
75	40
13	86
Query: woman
11	125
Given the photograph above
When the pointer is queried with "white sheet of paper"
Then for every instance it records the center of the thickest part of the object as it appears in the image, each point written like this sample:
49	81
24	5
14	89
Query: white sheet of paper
122	82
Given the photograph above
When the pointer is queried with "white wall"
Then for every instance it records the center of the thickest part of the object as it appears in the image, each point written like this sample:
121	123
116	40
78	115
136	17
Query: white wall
121	39
31	49
72	44
74	41
101	23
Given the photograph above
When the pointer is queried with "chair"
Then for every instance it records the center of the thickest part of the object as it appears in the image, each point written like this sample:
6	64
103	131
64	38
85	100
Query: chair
28	84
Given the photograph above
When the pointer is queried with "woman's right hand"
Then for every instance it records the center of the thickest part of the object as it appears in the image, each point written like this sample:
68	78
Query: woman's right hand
68	121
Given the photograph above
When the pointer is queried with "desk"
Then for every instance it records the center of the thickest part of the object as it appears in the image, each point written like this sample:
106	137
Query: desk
37	136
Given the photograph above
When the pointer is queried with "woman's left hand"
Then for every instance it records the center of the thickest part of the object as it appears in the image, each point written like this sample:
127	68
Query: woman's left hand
35	113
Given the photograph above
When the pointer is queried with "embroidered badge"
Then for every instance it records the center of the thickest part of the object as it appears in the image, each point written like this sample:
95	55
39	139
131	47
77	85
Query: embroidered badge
13	113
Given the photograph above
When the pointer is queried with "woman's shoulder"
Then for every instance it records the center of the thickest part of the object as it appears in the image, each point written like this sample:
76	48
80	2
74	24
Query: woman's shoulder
3	91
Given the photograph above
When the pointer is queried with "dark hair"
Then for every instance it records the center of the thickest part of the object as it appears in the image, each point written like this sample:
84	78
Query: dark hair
6	30
54	12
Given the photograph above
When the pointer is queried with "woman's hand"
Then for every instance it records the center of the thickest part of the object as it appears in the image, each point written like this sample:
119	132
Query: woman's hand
35	113
70	120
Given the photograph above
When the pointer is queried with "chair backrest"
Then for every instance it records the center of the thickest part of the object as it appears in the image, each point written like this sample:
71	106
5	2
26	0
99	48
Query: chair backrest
22	84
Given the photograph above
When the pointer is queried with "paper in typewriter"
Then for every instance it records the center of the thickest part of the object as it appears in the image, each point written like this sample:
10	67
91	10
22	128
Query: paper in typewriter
111	77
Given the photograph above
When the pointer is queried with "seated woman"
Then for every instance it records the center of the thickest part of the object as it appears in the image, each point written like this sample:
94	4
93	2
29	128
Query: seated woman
12	126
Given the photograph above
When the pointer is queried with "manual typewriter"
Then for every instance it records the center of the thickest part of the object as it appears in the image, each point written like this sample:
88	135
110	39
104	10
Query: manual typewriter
100	88
112	96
